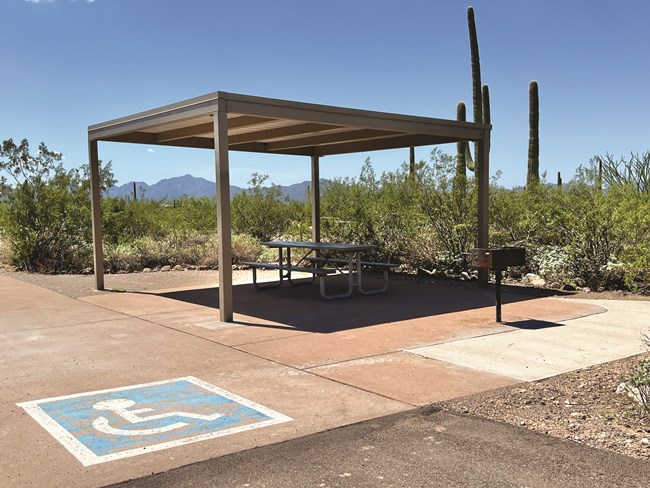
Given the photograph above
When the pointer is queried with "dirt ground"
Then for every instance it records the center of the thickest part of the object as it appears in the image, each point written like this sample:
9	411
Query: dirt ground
582	405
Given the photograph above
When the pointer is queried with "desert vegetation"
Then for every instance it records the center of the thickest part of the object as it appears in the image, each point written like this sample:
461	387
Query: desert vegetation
593	231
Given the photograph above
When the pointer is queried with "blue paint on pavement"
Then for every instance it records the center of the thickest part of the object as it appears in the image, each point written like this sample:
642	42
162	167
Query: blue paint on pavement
76	415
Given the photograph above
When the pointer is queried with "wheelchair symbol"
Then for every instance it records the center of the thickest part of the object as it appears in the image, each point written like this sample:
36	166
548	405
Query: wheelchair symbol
121	407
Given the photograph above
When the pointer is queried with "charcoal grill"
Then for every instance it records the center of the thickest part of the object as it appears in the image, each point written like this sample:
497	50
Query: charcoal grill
498	260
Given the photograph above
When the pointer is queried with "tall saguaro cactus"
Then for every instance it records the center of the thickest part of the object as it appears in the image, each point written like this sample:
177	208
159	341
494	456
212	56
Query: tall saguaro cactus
477	98
532	178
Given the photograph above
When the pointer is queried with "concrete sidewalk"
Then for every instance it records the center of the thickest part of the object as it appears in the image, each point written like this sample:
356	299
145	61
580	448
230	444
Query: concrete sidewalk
319	365
548	349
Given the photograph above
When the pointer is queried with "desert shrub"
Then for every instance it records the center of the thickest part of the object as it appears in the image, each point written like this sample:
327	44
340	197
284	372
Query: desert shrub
193	214
591	227
640	381
192	249
48	224
121	257
347	208
521	218
5	250
449	203
245	248
553	263
125	221
260	212
633	172
384	211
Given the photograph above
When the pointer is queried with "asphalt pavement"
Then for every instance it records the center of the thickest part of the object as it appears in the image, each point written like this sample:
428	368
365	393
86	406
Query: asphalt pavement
420	448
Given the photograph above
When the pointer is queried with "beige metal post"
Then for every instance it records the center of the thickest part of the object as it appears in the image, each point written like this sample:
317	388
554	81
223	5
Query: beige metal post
315	199
96	209
223	212
483	201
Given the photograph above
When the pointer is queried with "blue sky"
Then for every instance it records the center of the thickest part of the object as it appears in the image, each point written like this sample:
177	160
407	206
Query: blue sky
72	63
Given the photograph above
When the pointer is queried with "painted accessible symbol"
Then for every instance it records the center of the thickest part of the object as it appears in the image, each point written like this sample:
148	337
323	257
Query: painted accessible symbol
105	425
120	407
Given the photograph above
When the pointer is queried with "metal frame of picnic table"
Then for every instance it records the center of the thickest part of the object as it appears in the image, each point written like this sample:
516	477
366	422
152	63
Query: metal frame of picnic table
351	268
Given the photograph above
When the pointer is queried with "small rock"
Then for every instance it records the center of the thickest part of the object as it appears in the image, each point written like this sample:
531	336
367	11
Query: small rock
645	441
146	270
166	268
537	281
87	271
555	286
586	289
178	267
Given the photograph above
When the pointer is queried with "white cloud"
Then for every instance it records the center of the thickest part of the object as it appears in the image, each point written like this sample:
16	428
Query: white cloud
149	150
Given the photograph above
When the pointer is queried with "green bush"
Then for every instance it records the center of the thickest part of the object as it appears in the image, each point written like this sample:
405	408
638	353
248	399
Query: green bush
423	216
48	224
640	380
260	212
449	203
191	249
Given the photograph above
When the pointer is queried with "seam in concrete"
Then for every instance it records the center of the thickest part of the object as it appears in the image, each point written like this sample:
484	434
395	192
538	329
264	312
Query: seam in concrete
362	389
85	322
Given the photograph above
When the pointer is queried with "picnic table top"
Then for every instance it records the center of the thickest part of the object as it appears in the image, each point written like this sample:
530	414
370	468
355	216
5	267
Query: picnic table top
322	246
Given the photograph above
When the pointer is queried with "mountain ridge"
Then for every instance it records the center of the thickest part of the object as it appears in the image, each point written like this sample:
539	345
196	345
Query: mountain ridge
187	185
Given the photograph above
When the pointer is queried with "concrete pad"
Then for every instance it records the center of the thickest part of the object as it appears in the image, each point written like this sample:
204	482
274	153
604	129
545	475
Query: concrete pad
205	323
138	304
311	350
410	378
552	349
115	340
26	307
83	358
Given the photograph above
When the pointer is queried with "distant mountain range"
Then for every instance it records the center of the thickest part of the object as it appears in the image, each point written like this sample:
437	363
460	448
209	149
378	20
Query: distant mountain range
190	186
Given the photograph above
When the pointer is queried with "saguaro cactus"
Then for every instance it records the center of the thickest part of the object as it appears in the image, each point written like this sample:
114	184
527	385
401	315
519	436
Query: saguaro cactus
461	146
487	119
532	178
476	74
412	163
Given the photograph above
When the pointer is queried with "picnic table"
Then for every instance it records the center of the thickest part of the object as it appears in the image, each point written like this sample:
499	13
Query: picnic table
322	259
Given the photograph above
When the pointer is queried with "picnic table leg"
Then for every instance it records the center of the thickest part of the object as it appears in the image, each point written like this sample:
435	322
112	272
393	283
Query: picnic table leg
273	285
351	283
373	291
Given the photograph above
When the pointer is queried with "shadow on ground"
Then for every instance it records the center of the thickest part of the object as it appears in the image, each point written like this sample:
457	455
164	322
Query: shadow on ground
302	307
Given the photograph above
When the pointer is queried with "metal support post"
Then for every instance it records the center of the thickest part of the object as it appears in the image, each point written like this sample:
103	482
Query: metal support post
96	209
223	212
